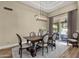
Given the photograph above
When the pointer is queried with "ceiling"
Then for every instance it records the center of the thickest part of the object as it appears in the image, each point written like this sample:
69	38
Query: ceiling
47	6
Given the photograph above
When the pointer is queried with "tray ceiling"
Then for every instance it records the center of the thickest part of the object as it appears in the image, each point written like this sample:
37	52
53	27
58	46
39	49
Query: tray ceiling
47	6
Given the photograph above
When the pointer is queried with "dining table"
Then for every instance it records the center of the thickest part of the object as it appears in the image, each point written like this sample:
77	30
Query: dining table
34	40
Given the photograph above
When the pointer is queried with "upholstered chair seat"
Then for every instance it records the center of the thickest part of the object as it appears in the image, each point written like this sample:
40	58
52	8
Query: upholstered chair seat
73	40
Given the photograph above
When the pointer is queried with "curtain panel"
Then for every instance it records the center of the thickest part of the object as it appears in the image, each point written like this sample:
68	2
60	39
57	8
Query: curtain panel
50	26
72	20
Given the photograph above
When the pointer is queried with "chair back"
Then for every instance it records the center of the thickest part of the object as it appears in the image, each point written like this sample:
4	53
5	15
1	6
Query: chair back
19	39
39	34
54	36
32	34
75	35
45	38
44	32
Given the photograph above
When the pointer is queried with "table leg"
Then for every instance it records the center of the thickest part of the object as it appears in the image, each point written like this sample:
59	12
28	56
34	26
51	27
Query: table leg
33	50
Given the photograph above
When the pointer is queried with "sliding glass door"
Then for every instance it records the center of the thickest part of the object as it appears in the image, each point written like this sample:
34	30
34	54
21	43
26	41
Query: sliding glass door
62	29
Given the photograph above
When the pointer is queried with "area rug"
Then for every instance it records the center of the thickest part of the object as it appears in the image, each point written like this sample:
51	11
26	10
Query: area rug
60	49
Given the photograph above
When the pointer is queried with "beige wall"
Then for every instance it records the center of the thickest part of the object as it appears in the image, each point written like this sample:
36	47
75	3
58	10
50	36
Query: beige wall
20	20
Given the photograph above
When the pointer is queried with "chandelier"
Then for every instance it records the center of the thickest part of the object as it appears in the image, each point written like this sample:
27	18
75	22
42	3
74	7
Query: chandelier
41	17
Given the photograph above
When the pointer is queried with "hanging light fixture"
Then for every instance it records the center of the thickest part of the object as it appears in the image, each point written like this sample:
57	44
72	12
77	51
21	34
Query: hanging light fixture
41	17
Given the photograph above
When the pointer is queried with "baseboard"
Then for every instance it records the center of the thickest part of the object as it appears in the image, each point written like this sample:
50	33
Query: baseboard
10	46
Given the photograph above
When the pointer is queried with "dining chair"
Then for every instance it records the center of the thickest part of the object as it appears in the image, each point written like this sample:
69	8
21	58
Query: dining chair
21	46
44	43
74	39
32	34
39	34
54	37
52	40
44	32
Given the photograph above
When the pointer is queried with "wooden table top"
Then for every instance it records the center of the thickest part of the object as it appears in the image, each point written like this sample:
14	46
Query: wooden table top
33	38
